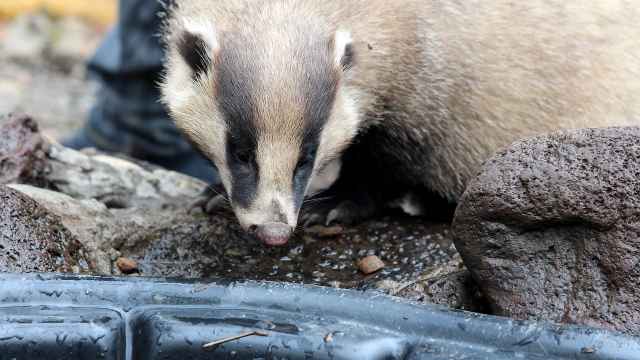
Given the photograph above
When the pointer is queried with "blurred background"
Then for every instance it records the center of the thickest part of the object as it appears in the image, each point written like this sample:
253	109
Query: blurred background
44	45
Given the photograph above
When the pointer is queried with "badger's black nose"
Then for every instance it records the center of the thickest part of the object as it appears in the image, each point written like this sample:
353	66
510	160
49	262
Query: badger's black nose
273	233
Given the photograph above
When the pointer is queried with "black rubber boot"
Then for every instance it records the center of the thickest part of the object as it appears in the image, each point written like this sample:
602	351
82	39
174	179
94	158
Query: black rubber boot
127	117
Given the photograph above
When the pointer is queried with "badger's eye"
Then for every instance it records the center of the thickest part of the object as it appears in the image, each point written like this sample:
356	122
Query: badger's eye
245	157
306	160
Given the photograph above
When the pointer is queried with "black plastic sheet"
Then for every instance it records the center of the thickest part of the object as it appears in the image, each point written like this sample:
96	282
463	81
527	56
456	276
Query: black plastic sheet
58	317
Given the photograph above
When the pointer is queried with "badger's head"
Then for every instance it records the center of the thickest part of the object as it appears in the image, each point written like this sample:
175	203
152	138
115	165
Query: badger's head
270	106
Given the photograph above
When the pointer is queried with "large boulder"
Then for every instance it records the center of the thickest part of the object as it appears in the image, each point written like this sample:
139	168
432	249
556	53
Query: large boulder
551	229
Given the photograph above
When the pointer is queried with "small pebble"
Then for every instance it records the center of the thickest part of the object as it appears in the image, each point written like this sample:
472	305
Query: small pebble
370	264
233	252
127	266
328	338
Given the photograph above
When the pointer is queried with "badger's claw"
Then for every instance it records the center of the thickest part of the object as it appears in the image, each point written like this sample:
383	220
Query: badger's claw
311	219
347	212
209	202
214	204
198	203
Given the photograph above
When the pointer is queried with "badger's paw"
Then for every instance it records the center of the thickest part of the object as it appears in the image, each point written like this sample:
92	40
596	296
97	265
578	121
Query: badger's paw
345	212
210	201
350	213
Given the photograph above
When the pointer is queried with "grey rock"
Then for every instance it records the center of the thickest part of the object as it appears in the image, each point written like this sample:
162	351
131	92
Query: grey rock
551	229
109	203
116	182
32	239
89	221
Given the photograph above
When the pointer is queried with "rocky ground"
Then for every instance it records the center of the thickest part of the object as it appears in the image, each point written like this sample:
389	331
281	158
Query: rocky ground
549	230
114	217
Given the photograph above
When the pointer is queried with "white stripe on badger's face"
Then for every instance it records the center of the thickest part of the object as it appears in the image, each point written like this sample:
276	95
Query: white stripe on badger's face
274	200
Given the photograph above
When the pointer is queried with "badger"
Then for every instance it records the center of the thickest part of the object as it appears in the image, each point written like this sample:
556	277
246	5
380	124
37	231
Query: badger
372	99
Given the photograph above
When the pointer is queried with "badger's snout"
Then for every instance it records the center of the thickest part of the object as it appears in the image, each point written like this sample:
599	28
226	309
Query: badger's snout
271	219
272	233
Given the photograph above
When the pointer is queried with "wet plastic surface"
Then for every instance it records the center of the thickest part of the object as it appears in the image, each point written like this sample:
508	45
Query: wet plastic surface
54	317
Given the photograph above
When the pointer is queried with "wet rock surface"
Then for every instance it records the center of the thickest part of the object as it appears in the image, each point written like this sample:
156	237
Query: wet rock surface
217	247
448	284
34	240
551	229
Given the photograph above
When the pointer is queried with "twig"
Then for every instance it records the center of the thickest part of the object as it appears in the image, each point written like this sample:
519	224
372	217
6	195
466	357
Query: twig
431	277
233	338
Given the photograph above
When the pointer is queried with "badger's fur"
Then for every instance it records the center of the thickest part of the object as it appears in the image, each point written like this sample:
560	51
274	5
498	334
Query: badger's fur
285	95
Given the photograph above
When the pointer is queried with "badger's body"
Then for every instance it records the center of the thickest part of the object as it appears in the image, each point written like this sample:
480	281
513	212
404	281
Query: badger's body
285	95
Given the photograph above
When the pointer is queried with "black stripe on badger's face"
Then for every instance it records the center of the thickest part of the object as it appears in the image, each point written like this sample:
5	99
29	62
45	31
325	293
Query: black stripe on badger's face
237	106
322	92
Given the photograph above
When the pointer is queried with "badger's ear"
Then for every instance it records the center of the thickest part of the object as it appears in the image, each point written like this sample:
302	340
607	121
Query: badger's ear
343	49
197	44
